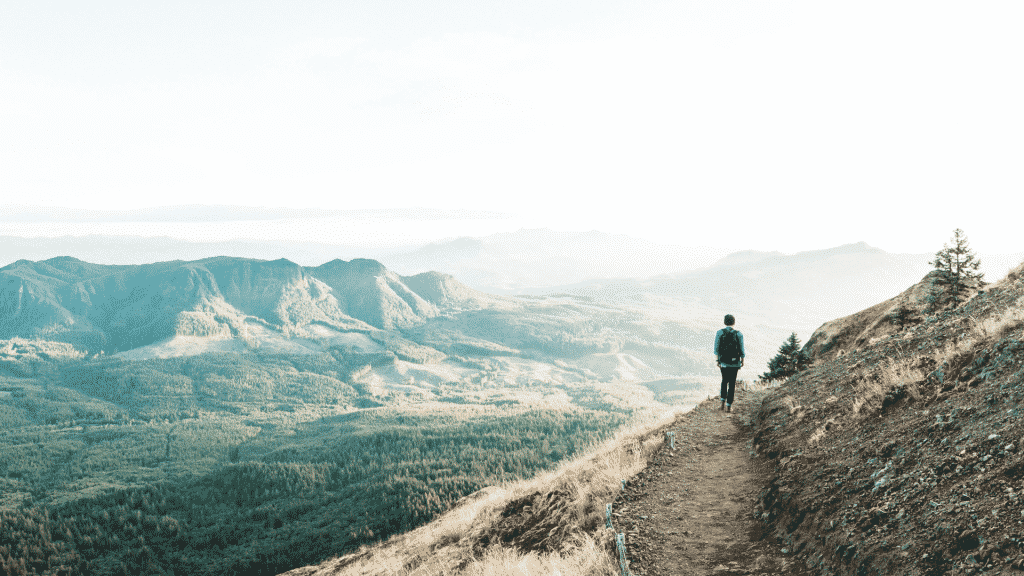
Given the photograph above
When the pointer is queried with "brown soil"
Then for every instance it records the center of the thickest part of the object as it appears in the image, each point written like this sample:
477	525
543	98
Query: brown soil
692	510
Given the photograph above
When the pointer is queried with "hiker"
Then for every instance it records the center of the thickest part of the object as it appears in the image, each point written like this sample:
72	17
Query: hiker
729	353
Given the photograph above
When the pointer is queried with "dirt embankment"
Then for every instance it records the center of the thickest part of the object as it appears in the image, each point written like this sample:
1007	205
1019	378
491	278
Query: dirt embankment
904	455
690	512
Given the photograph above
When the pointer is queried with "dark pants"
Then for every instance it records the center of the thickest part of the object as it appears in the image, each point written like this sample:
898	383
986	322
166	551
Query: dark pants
728	383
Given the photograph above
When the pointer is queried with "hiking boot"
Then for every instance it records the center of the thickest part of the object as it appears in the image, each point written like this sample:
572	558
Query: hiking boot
723	405
728	408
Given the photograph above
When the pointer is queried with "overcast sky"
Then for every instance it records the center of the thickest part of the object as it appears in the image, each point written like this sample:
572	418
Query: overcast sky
755	124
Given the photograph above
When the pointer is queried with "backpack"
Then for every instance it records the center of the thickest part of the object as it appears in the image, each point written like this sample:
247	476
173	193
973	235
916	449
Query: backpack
729	347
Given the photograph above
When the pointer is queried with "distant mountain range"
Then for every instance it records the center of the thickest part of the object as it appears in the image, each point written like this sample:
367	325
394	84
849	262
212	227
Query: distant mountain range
525	261
428	323
120	307
534	260
126	250
631	329
801	290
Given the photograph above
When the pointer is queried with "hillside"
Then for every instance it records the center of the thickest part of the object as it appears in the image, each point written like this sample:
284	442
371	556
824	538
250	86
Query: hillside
871	324
898	451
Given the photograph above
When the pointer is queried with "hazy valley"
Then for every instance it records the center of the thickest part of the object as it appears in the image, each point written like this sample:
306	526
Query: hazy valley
210	416
237	415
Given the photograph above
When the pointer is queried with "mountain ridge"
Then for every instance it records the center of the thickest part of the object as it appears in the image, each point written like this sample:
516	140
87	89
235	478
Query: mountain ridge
531	259
98	306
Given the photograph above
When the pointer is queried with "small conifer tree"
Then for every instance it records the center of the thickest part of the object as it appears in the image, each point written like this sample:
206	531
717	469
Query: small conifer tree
957	268
790	360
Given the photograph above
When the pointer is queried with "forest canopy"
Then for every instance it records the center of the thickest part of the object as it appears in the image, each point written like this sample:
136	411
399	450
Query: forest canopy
252	464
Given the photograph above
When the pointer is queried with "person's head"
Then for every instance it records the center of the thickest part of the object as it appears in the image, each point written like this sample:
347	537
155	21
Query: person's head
730	319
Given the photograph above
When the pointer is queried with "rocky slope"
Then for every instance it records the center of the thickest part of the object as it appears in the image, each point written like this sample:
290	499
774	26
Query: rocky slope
899	450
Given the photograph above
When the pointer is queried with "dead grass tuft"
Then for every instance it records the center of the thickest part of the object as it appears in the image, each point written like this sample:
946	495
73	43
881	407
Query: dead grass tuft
897	378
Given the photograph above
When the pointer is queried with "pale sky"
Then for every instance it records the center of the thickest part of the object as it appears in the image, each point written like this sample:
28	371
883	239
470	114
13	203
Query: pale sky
775	125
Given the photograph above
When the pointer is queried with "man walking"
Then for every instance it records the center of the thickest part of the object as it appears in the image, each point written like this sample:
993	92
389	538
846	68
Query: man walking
729	352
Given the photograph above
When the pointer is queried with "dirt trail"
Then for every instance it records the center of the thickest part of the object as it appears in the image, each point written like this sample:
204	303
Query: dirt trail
691	512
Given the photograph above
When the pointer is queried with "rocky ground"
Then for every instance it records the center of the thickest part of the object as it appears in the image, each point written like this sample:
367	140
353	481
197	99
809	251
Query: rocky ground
691	511
902	454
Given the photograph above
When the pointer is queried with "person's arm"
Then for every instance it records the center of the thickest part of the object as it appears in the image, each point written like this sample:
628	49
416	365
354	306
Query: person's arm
742	351
718	338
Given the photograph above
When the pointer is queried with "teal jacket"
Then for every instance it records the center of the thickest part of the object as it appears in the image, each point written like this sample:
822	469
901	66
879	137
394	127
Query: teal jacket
718	338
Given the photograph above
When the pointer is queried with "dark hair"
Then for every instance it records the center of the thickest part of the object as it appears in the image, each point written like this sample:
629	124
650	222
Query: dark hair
730	319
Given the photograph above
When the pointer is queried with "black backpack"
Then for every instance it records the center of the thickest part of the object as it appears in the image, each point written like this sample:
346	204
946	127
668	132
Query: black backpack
729	347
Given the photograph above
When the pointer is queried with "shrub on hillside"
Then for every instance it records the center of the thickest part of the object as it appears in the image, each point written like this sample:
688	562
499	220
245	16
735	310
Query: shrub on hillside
790	360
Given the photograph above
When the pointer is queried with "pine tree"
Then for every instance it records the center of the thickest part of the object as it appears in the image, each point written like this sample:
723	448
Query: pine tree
790	360
957	268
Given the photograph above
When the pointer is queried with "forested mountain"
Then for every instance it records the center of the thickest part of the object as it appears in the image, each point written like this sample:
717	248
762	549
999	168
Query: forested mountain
112	308
235	305
241	416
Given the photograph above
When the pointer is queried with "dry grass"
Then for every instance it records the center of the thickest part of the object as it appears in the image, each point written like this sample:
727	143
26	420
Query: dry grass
999	325
895	373
453	543
952	357
587	556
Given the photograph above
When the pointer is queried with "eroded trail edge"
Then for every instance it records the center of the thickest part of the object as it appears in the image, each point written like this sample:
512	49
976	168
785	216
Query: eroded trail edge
691	511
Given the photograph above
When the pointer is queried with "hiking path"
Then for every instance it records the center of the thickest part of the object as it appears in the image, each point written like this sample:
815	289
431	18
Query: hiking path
691	511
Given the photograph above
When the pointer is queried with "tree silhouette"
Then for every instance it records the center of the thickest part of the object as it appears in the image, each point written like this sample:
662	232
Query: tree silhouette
957	268
790	360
